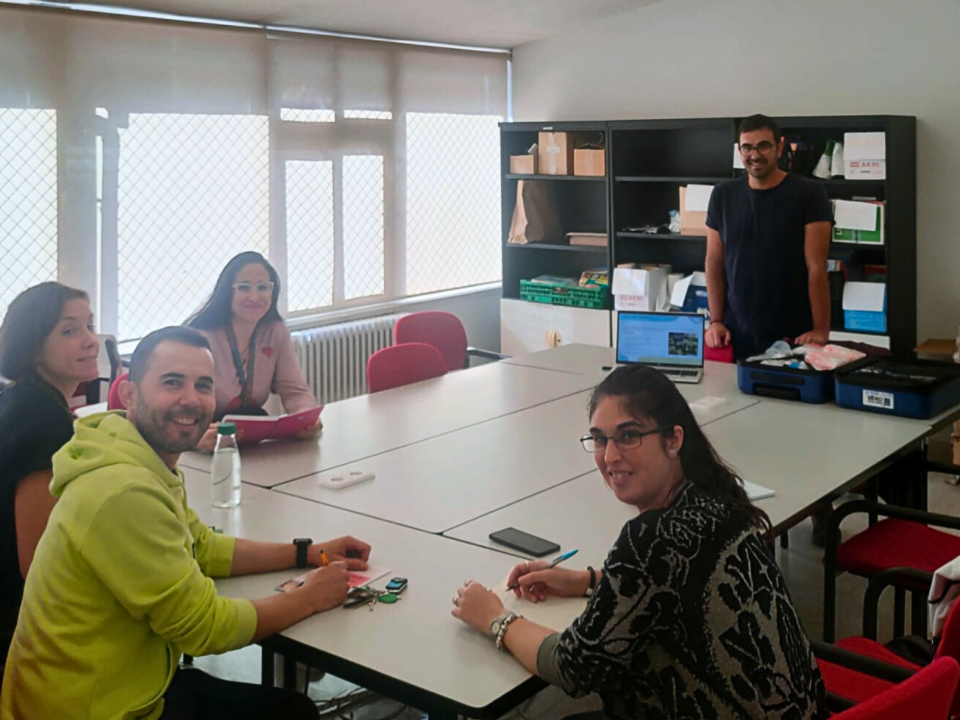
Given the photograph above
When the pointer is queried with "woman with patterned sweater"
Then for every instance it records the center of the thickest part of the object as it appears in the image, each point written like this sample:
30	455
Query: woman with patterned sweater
689	616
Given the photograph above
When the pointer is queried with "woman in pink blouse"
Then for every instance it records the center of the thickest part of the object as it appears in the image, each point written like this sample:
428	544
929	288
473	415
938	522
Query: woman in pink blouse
252	351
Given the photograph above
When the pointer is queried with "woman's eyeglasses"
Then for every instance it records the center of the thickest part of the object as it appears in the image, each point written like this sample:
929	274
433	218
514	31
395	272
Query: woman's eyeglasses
245	288
626	440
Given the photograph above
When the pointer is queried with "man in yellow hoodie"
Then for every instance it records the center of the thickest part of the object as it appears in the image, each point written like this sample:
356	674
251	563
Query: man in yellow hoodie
121	584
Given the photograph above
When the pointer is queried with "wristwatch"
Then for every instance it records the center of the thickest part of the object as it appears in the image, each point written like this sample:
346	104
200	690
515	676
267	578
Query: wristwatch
593	581
302	545
498	628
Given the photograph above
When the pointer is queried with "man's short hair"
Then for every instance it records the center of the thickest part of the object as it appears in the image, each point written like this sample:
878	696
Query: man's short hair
759	122
140	362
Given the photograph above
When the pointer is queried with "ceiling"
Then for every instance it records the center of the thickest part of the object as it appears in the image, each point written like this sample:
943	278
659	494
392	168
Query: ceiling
487	23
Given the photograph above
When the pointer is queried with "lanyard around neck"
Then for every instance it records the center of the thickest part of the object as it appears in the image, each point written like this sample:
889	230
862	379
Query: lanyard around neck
244	374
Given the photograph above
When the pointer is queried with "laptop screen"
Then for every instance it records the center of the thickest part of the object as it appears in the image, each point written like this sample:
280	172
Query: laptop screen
660	339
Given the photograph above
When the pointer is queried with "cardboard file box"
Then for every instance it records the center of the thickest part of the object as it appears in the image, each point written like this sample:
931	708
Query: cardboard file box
589	162
865	306
555	151
694	200
640	289
865	156
523	164
859	222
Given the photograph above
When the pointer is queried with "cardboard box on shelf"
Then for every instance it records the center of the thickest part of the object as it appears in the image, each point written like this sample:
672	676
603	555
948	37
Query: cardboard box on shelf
588	239
523	164
635	289
694	200
859	221
865	156
590	161
555	151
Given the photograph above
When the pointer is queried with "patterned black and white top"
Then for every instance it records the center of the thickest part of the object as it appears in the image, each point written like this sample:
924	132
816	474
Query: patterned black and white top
691	619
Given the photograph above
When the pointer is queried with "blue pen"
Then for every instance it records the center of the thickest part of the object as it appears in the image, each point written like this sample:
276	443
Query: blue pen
556	561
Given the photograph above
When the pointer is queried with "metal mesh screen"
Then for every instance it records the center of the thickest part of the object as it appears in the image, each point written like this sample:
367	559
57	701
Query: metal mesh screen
193	192
309	234
362	225
28	200
453	201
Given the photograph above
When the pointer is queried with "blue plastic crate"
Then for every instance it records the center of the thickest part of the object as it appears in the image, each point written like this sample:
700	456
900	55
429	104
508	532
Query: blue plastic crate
809	386
895	393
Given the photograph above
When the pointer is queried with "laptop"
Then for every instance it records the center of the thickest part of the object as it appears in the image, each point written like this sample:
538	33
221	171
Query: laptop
670	342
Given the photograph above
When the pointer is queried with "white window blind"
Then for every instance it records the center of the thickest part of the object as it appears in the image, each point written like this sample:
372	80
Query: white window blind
145	154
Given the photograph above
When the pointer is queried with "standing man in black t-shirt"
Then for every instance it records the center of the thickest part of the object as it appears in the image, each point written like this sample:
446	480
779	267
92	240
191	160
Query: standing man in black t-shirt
768	236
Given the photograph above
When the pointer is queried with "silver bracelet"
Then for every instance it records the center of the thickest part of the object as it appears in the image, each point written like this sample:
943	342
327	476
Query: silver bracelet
501	624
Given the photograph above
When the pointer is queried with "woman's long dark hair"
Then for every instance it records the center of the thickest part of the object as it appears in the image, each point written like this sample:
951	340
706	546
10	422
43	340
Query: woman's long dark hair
647	393
30	318
216	311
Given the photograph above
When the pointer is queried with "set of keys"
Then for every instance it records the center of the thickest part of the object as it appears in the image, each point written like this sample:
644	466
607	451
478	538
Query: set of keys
360	596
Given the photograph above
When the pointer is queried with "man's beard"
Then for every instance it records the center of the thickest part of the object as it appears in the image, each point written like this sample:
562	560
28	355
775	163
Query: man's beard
151	426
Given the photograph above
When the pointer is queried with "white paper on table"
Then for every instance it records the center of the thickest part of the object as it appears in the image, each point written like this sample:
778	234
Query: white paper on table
628	281
708	402
553	613
697	198
864	296
855	215
757	492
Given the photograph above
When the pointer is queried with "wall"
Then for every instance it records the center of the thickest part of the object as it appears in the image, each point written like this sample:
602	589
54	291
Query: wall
702	58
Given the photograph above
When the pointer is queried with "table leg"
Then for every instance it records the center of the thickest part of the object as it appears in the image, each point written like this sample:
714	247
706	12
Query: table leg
266	667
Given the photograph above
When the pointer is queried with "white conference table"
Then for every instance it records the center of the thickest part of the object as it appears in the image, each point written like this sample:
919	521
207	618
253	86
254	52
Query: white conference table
796	450
717	393
413	651
368	425
442	482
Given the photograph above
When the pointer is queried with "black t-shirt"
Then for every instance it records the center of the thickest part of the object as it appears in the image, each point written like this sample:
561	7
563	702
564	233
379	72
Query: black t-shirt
35	422
763	246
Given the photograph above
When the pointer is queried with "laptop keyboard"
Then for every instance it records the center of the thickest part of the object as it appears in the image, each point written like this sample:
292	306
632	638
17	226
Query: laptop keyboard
680	373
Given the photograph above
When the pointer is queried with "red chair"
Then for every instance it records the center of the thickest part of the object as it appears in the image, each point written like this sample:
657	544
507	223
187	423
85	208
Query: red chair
403	364
445	332
903	538
113	400
849	667
925	696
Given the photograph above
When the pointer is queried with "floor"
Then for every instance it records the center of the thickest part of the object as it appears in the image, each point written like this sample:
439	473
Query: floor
801	565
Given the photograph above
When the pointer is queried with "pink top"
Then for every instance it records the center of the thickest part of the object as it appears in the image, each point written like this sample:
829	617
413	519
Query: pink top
275	370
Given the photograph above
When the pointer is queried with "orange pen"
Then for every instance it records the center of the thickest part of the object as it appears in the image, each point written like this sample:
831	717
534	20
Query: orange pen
323	558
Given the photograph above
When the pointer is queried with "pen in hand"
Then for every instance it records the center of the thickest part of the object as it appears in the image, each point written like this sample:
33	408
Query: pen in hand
323	559
556	561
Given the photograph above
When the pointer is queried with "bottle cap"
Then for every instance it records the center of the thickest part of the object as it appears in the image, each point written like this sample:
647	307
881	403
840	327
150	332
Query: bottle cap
226	428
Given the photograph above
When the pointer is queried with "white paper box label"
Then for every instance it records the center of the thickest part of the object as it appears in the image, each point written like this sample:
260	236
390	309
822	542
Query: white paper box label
877	399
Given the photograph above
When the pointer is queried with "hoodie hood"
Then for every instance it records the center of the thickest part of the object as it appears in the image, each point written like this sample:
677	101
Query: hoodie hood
103	440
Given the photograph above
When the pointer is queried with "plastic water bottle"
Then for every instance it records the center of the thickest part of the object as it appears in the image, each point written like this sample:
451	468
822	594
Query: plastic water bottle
225	469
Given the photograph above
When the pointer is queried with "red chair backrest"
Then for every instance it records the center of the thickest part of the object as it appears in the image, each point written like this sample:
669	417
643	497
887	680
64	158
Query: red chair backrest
443	330
113	400
925	696
403	364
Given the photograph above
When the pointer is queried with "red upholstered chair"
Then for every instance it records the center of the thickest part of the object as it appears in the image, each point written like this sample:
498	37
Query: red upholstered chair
403	364
925	696
445	332
860	668
904	538
113	400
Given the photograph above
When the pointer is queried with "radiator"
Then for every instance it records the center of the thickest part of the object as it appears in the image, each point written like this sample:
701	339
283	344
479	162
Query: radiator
334	357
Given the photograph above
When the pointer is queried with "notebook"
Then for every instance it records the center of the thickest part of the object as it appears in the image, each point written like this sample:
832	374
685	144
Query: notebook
254	428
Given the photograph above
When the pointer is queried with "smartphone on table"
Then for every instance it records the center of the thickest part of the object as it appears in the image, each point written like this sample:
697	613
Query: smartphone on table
524	542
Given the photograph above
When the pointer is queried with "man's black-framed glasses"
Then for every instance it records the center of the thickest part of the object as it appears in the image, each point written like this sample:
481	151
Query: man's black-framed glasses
625	440
761	148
